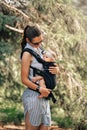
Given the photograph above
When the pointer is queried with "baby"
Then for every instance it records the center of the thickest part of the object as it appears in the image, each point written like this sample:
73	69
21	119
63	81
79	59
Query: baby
48	56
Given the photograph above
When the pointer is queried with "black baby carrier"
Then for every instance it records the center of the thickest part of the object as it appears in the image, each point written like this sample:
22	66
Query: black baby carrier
50	79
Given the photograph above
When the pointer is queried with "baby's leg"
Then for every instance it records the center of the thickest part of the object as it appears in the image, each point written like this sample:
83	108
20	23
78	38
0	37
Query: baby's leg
42	83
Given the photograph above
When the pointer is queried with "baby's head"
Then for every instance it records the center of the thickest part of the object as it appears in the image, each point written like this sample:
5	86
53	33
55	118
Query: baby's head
49	56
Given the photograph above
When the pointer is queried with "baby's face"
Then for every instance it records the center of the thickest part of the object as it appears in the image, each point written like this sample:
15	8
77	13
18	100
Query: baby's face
46	58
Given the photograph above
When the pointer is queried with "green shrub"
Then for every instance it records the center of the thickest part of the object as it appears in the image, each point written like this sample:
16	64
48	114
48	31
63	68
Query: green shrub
65	122
9	115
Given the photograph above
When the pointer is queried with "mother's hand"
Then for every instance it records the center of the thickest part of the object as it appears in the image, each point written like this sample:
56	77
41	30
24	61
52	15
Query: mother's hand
44	92
54	69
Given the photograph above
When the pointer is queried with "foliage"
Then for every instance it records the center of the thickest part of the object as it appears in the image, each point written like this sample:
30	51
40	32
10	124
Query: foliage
65	122
11	115
68	122
10	88
6	19
65	33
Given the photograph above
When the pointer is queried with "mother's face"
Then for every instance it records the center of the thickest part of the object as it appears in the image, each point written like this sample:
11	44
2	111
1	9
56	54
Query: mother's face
36	42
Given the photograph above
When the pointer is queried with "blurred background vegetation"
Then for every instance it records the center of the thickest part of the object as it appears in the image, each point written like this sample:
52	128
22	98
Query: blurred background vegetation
64	27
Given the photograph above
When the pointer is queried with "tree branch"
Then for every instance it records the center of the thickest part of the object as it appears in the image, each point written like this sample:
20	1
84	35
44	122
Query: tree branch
14	29
15	10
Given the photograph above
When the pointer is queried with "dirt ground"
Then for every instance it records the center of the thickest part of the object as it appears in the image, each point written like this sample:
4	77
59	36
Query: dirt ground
22	127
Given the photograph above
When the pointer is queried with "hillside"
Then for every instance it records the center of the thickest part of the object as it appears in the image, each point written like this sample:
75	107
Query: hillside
65	32
81	5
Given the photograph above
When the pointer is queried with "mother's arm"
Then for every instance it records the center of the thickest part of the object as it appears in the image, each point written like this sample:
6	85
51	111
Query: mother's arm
25	68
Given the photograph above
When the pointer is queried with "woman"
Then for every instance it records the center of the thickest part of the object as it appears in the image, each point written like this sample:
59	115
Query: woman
36	107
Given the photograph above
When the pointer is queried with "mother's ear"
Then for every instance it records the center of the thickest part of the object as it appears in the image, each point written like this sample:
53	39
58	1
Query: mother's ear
27	40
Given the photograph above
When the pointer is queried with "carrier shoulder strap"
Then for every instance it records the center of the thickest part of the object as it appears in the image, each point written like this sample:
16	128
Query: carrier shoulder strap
39	59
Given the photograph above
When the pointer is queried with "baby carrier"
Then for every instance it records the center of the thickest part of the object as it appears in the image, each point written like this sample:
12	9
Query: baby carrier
50	79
